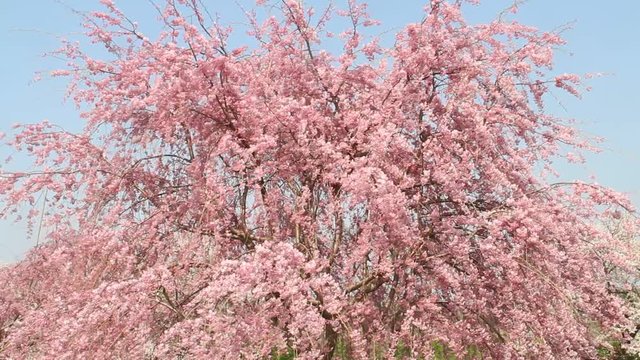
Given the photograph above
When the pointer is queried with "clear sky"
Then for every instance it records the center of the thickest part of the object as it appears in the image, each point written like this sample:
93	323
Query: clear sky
605	38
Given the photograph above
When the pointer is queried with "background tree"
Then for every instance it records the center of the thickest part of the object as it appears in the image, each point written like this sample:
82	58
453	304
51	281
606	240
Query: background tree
236	202
625	285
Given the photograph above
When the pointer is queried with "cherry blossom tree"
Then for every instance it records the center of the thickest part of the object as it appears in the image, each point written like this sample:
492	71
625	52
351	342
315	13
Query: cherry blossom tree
239	202
626	286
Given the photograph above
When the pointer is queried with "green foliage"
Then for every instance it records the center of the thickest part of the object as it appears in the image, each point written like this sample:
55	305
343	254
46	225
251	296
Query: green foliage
289	355
473	352
402	351
342	350
440	349
442	352
616	352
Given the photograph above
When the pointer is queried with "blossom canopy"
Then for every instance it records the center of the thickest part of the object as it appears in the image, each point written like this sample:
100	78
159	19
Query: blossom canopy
243	202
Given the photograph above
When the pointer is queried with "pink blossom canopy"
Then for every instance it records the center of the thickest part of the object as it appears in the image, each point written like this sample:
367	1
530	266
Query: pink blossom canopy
234	203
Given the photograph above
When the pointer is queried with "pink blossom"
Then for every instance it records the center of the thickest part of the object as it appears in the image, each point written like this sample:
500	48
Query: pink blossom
223	203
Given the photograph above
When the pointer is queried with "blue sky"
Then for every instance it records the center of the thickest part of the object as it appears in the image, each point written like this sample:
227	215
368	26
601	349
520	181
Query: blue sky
604	38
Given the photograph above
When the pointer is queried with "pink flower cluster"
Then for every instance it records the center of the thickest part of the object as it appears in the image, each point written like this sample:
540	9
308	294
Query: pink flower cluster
235	202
